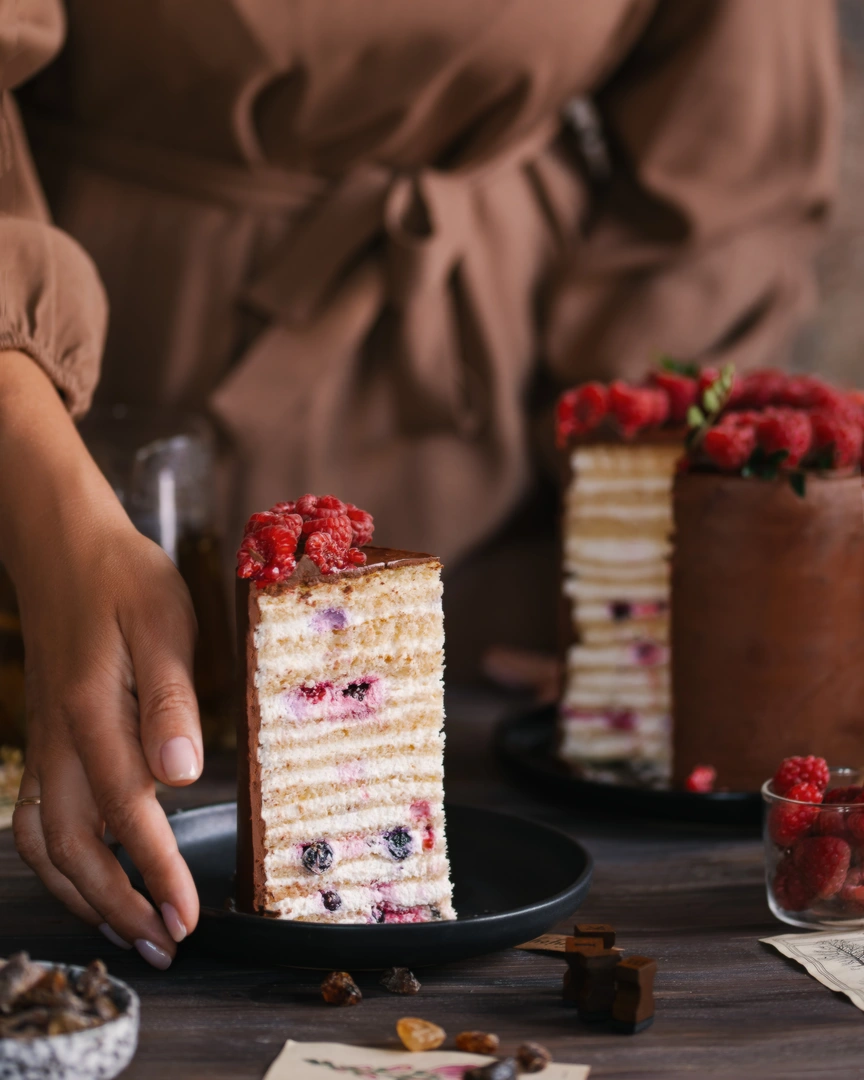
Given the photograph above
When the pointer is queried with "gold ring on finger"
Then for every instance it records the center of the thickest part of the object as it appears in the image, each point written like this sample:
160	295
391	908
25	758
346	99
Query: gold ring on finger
28	800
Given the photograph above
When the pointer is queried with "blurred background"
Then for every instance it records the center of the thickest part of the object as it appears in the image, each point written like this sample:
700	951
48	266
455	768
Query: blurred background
833	343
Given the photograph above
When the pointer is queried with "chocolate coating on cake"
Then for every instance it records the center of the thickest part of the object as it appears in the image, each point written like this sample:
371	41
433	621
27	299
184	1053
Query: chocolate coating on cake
767	625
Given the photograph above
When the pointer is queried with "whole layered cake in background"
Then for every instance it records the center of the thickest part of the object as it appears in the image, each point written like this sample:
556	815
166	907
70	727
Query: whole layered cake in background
340	804
713	568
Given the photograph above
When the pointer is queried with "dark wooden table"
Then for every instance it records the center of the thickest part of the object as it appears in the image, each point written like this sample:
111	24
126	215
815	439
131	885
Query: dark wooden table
693	897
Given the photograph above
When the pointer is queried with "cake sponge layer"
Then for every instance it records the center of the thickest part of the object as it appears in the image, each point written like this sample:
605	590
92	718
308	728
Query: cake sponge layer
345	676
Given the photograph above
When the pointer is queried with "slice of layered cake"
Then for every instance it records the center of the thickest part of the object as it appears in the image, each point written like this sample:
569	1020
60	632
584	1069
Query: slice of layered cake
340	808
617	526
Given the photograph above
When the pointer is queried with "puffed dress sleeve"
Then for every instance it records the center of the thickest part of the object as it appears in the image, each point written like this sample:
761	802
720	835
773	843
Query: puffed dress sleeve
722	132
52	303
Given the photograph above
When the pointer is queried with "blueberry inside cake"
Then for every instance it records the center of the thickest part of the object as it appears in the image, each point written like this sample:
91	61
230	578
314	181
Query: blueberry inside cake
340	810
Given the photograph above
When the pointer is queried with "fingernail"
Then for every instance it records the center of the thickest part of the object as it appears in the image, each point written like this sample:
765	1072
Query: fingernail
153	954
176	926
115	939
179	759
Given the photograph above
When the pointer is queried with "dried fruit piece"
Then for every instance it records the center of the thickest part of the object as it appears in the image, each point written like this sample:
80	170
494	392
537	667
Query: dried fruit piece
532	1057
801	770
477	1042
93	981
340	989
400	980
18	975
417	1034
504	1069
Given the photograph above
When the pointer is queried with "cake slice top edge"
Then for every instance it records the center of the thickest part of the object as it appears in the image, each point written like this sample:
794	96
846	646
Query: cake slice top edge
377	558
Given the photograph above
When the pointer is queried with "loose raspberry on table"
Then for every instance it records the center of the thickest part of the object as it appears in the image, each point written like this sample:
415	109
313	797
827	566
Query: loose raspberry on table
789	822
701	779
579	411
823	862
801	770
731	442
680	390
790	890
839	434
636	408
785	429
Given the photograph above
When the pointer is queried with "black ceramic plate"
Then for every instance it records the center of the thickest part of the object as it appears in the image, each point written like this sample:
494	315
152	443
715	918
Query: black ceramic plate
512	880
526	745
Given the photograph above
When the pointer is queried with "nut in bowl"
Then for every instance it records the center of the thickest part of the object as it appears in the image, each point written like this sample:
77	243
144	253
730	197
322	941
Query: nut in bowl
814	844
64	1023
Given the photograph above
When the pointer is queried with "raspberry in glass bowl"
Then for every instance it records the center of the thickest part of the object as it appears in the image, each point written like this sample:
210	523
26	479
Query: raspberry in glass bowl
814	844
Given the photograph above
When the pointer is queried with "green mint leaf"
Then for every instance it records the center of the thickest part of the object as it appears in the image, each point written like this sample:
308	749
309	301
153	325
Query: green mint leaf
695	416
679	367
710	400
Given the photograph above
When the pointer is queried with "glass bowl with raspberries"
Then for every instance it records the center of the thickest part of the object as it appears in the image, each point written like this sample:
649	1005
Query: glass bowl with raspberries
814	844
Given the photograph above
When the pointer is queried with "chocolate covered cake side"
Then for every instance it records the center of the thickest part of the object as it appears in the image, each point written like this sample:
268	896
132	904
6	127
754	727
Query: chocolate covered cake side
340	809
767	624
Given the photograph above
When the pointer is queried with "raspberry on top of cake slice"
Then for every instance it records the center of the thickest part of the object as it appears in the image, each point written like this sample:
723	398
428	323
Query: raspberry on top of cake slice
340	803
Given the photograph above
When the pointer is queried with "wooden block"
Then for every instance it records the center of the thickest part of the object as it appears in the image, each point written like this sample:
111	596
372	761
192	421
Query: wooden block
634	992
573	944
593	975
573	956
596	930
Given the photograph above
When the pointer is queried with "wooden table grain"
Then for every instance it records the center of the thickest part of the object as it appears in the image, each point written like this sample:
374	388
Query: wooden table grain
691	896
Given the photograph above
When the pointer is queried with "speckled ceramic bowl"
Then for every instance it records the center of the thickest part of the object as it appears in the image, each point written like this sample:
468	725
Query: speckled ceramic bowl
97	1053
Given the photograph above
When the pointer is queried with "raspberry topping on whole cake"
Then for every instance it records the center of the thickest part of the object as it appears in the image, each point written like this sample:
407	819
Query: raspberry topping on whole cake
329	531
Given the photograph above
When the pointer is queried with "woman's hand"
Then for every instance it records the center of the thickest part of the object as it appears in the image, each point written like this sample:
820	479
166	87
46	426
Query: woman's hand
109	635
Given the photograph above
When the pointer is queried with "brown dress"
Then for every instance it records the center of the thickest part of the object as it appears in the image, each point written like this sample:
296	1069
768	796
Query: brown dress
363	236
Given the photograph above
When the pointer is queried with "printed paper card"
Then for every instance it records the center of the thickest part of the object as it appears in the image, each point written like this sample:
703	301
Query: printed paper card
833	957
320	1061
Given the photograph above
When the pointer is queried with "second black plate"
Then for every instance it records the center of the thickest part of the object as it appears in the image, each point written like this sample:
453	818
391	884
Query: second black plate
512	879
526	745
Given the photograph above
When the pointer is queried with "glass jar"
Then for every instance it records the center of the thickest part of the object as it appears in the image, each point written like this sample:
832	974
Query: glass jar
814	855
161	466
